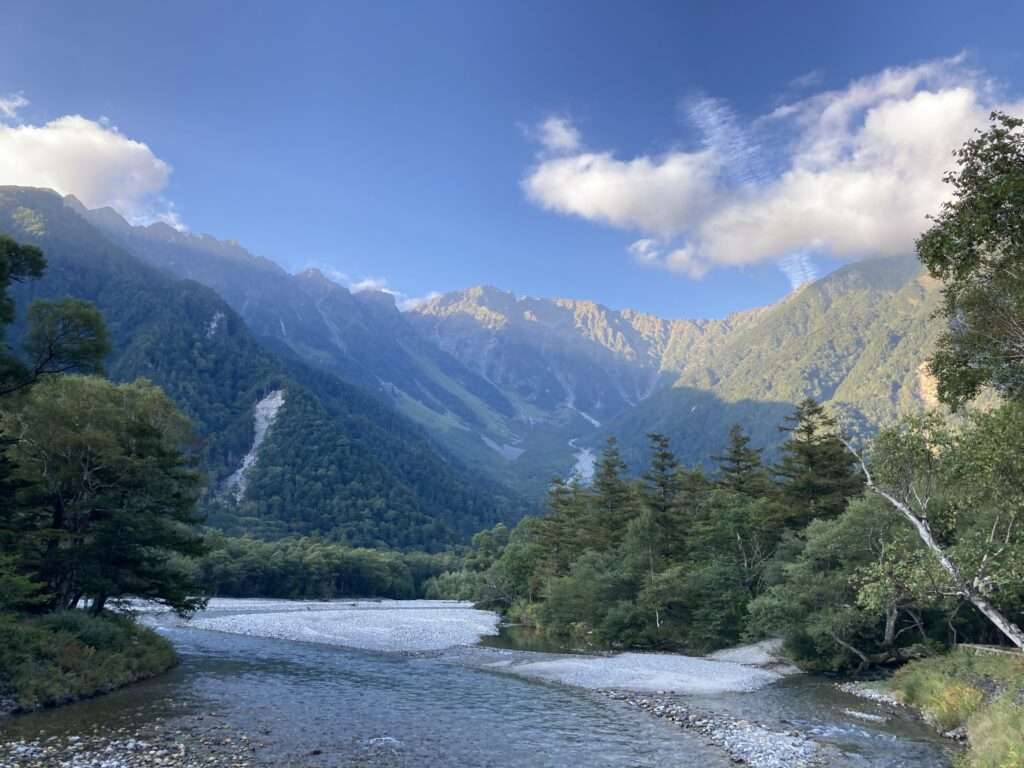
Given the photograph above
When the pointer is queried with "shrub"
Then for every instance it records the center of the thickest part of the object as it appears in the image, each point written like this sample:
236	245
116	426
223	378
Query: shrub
54	659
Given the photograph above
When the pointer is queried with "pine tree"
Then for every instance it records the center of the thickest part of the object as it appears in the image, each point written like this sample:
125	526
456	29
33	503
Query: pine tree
817	472
662	479
562	532
668	495
741	469
614	504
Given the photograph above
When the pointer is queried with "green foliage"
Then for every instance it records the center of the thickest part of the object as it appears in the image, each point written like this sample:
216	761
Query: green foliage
966	483
18	262
836	597
108	498
741	469
670	561
18	592
818	471
63	336
976	247
309	568
54	659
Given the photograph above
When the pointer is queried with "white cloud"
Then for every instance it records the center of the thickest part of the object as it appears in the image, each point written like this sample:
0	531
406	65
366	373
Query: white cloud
659	195
91	160
850	173
807	80
402	301
558	134
687	261
370	284
646	251
11	104
412	303
799	269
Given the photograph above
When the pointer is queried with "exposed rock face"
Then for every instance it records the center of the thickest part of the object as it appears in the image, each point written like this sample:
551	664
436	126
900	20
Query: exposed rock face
558	352
264	416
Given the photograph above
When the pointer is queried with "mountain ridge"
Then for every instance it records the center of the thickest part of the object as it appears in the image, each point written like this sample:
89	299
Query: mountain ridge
336	461
518	386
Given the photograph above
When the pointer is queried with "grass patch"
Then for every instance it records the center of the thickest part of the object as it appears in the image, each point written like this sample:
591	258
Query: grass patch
61	657
979	692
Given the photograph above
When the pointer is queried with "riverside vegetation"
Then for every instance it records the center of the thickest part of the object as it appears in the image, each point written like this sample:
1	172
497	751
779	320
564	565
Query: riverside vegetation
859	555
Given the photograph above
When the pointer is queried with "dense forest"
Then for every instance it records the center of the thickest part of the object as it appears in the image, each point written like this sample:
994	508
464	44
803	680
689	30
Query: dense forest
689	561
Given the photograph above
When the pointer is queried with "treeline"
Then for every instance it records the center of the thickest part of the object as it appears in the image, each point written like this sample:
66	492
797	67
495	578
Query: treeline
312	568
681	560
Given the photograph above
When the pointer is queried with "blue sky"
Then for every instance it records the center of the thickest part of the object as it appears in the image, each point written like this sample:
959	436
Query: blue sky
678	158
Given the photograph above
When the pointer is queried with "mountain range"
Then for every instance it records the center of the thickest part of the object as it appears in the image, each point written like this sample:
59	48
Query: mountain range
316	453
493	393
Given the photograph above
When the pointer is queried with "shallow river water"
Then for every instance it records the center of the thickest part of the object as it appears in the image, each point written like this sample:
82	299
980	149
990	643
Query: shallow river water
318	705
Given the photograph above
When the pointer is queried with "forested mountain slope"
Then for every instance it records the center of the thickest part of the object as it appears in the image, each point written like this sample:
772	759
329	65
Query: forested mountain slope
361	337
506	382
332	459
856	339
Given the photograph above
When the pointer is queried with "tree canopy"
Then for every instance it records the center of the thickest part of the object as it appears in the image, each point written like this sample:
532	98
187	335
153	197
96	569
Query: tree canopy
976	247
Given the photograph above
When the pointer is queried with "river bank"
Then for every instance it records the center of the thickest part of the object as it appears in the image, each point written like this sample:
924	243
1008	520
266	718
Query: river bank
968	695
59	658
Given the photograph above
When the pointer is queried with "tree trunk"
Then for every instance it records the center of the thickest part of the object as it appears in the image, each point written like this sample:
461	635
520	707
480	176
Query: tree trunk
891	614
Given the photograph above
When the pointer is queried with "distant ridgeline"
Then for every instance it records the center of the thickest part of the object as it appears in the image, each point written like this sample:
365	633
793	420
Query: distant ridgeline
288	448
505	383
517	389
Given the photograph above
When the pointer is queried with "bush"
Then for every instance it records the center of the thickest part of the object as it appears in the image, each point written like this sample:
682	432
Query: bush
55	659
980	692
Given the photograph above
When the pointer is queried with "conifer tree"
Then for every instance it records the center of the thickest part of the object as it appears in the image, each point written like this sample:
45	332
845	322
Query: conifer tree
614	502
817	472
667	488
561	533
741	469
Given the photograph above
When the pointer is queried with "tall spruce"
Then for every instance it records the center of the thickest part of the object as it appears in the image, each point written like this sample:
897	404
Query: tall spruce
817	472
741	468
561	533
664	488
614	502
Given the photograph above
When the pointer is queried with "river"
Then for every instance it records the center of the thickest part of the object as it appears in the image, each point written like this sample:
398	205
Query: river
306	704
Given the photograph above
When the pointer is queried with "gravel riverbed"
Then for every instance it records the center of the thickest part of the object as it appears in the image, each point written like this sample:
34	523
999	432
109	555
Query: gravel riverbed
746	742
371	625
202	742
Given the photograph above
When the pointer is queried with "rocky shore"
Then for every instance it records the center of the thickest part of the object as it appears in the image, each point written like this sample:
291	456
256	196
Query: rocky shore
746	742
202	742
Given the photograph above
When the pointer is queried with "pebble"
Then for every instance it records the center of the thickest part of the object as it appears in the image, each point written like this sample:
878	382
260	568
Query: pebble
745	742
125	748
